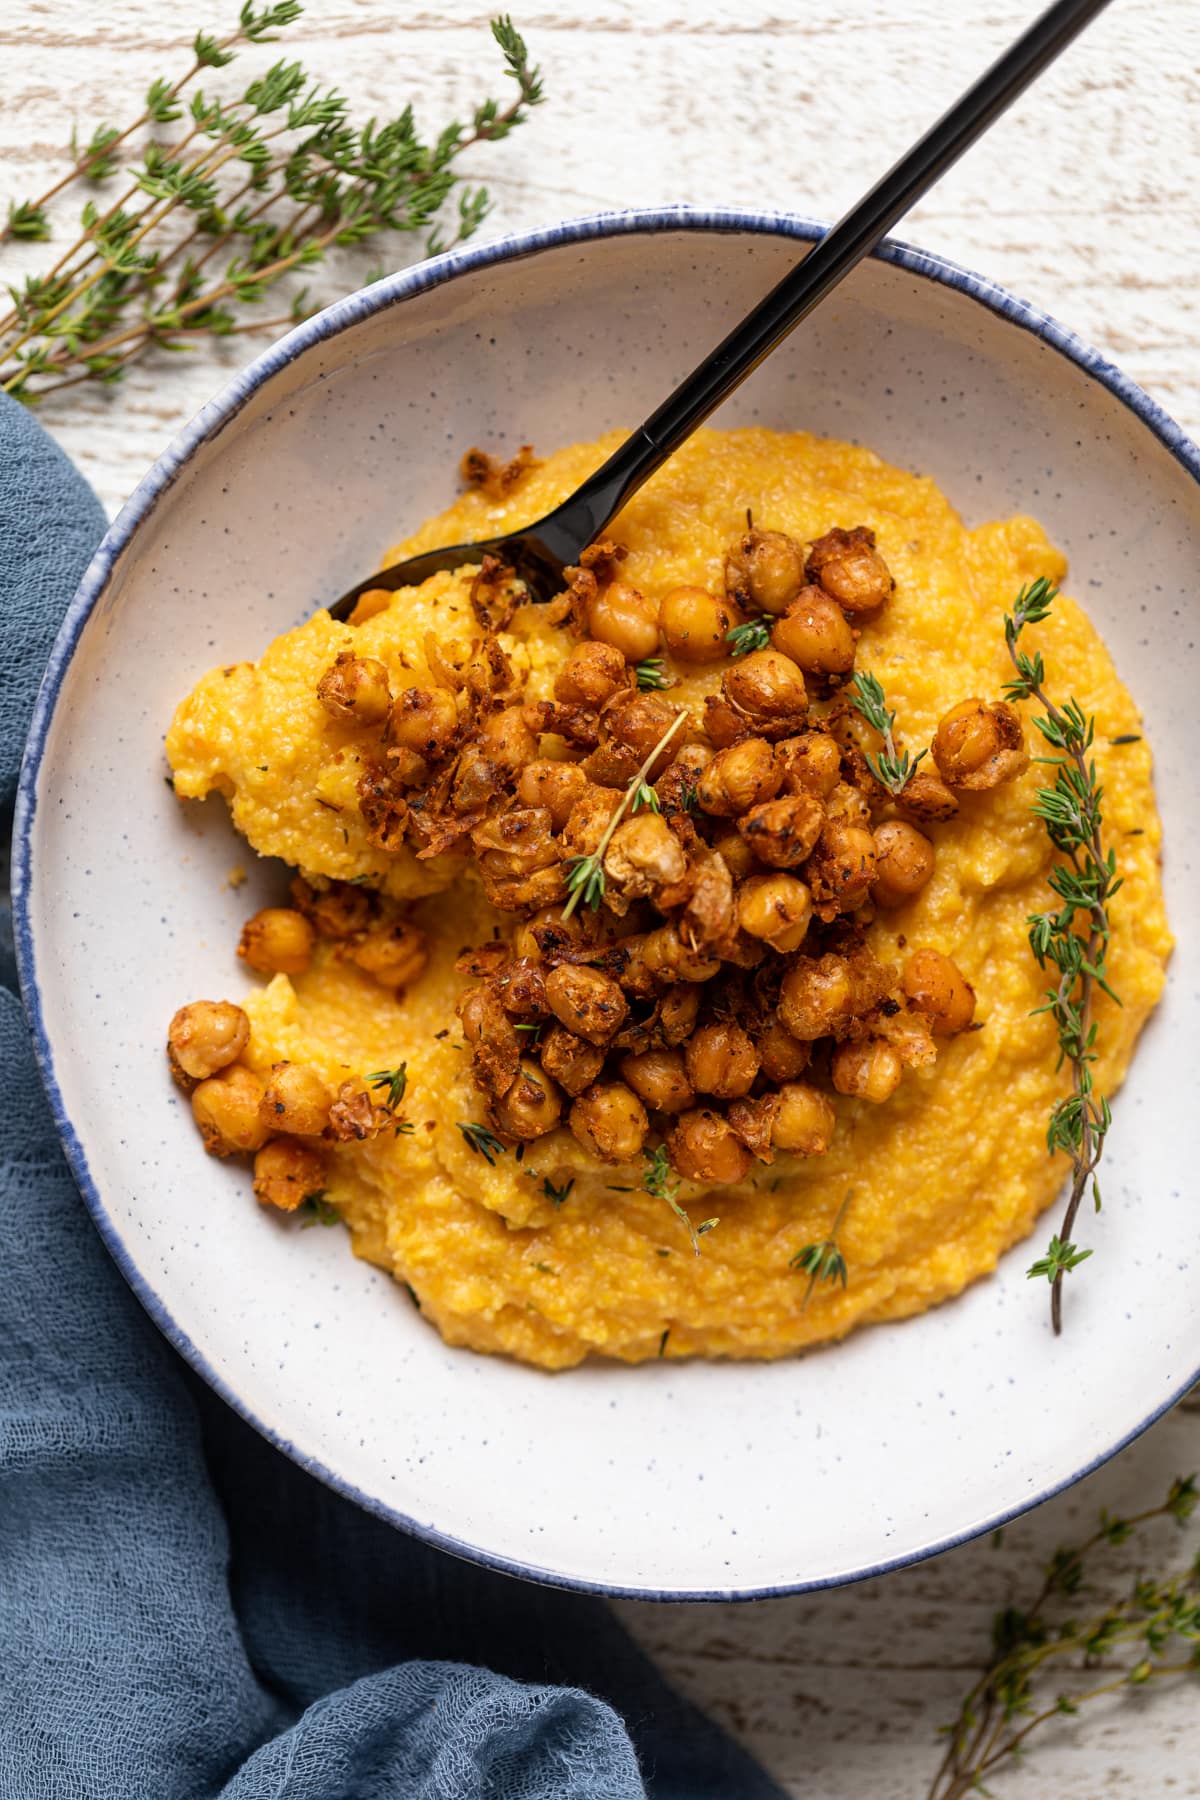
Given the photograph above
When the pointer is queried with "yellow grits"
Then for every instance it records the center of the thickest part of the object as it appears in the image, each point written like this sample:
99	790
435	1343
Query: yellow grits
945	1177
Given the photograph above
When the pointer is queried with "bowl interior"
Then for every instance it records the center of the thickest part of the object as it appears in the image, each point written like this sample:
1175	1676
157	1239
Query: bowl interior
668	1479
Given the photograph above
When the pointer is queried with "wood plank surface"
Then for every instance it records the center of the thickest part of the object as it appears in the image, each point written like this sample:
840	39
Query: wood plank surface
1084	201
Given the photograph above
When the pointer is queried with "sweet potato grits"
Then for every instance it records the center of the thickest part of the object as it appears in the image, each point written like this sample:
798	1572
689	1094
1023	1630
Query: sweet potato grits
644	943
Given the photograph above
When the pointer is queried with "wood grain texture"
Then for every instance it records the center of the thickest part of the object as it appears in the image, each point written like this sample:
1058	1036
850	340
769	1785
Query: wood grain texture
1084	203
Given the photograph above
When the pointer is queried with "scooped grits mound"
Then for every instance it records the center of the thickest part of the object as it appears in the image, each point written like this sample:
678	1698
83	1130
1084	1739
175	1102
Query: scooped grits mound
941	1179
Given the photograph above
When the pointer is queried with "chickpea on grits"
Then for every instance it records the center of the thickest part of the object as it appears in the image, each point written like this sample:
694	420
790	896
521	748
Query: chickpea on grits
643	944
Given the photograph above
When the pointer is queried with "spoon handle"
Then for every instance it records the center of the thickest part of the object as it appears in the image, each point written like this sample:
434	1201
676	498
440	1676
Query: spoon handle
833	257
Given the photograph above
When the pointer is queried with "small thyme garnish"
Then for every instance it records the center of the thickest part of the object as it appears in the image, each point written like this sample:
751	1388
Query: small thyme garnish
892	768
754	635
585	874
556	1195
1133	1641
658	1184
318	1210
650	674
1085	880
395	1081
535	1034
823	1261
644	795
483	1142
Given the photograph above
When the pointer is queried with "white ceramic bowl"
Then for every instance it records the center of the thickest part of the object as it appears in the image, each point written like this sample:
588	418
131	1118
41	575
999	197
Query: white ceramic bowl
668	1480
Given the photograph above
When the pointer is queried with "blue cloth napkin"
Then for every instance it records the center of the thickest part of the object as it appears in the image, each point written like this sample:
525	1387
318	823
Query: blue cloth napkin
183	1612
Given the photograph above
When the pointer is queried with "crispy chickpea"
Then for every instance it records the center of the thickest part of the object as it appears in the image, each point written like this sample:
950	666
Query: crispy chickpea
904	862
782	832
590	676
506	740
769	690
811	762
678	1013
621	615
842	867
659	1079
667	958
340	910
424	720
571	1061
848	566
547	932
978	746
805	1122
225	1107
695	624
286	1173
781	1056
739	778
927	798
703	1147
937	987
586	1002
764	570
721	1059
394	955
736	854
816	997
588	820
204	1037
610	1122
531	1107
296	1101
815	634
639	722
776	909
277	941
354	690
870	1070
643	856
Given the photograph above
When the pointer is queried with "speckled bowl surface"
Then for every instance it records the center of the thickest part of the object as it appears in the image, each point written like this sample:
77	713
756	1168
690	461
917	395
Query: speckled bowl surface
669	1480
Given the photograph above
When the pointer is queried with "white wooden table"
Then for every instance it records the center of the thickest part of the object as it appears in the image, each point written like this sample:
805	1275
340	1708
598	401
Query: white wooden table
1084	202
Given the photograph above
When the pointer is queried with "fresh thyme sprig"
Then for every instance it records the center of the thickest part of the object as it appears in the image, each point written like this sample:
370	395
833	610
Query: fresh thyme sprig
483	1142
892	768
395	1081
317	1210
585	874
651	675
658	1183
1073	940
823	1261
216	211
754	635
1035	1655
556	1195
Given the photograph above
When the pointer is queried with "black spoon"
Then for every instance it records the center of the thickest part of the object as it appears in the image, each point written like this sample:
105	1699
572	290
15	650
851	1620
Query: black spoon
541	551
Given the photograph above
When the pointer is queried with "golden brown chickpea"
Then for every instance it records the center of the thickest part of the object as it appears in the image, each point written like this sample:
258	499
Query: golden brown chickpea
769	690
817	996
531	1107
591	675
805	1122
639	722
621	615
340	910
667	958
547	933
811	762
277	941
296	1101
848	566
659	1079
586	1002
978	746
588	820
764	571
904	862
776	909
927	798
643	856
736	854
354	690
814	633
937	987
695	624
204	1037
842	867
702	1147
781	1056
782	832
870	1070
721	1059
506	740
610	1122
393	954
569	1060
739	778
677	1013
286	1173
425	721
225	1107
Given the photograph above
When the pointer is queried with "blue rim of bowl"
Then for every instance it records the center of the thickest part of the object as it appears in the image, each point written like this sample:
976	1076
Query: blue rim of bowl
334	319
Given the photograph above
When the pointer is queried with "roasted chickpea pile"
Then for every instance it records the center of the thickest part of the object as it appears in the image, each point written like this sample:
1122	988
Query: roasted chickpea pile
687	894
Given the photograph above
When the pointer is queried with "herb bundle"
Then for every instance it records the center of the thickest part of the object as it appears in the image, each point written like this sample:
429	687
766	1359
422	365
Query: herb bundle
1045	1666
1072	940
225	199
